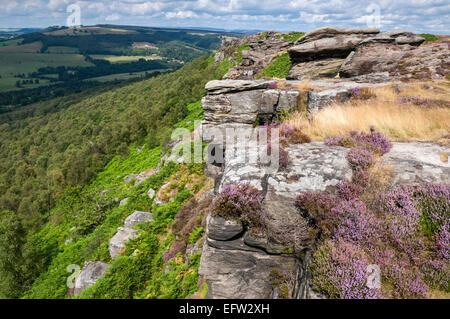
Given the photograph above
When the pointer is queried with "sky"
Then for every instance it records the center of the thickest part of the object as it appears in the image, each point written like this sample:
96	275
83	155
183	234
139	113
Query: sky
421	16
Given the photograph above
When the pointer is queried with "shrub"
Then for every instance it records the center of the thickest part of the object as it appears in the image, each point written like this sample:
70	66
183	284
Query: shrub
278	68
316	207
372	141
240	202
283	157
361	93
348	190
293	36
339	270
429	37
360	159
291	134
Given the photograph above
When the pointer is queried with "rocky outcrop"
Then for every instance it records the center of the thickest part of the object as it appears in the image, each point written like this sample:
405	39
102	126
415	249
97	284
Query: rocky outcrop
91	272
260	49
236	261
400	61
328	67
328	52
325	43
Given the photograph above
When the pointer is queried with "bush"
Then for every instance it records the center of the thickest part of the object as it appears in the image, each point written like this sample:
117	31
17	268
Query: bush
339	271
240	202
360	159
429	37
373	141
290	134
278	68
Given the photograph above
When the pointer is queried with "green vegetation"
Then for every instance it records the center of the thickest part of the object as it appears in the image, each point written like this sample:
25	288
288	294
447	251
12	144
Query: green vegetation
122	58
293	36
10	42
429	37
278	68
51	155
14	64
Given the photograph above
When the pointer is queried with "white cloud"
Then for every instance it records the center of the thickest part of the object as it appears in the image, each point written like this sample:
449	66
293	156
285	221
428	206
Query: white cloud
113	17
416	15
181	15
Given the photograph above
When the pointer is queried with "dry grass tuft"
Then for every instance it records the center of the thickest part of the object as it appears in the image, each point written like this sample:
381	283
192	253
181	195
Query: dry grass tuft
396	121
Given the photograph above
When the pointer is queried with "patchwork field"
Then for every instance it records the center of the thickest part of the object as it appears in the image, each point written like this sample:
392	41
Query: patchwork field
121	76
123	58
22	63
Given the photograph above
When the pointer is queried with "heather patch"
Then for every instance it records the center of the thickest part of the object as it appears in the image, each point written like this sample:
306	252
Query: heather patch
404	231
240	202
361	93
422	102
289	134
407	237
373	141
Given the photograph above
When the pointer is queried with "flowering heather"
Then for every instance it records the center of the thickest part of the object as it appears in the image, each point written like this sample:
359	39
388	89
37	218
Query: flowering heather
361	93
372	141
355	91
407	236
289	134
360	159
422	102
347	190
272	85
241	202
339	270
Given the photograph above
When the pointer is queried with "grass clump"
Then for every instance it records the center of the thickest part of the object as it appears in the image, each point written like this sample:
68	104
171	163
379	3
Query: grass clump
429	37
278	68
293	36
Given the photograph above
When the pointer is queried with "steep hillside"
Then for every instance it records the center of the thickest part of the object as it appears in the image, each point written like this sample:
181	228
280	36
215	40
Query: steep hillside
354	204
58	147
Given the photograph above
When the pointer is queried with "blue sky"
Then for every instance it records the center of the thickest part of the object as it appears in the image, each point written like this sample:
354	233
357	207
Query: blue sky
431	16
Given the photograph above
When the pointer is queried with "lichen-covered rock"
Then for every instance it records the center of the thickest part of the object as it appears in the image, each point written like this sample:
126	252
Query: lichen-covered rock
326	32
325	48
321	68
400	61
138	217
232	86
218	228
238	274
91	272
417	163
151	193
117	242
319	99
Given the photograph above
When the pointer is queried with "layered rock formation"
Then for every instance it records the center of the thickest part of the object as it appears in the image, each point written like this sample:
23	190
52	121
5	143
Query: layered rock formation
236	262
330	52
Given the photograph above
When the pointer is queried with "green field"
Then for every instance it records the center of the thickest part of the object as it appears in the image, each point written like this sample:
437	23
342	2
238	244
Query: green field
121	76
10	42
123	58
62	50
18	63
